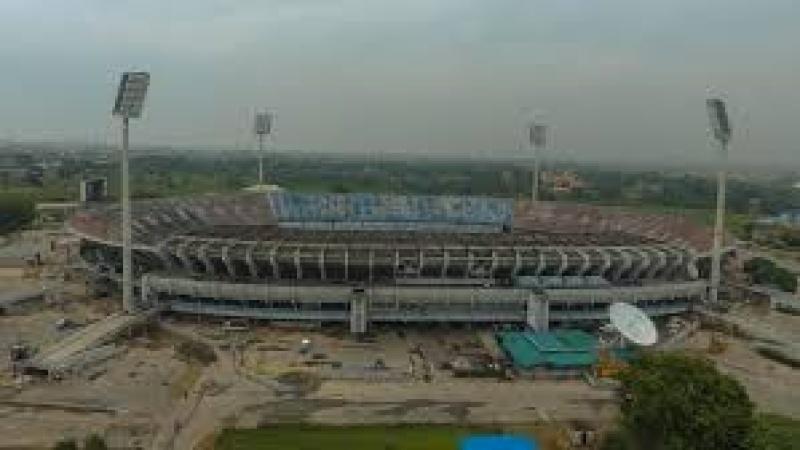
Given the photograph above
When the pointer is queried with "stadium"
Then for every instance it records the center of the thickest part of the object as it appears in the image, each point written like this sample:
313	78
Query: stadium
361	259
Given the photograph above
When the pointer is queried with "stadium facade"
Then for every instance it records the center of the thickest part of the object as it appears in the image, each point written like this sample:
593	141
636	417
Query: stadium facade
367	258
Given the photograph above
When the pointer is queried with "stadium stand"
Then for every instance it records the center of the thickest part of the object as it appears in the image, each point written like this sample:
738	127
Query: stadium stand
414	258
374	211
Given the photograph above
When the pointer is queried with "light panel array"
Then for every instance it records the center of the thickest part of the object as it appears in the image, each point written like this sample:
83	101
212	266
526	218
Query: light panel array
131	93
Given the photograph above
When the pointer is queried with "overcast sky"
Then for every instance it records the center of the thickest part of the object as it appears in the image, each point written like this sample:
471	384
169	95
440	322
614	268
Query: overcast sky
614	78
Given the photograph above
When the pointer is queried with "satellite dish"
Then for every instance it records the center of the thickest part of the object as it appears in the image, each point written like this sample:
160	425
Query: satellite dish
633	323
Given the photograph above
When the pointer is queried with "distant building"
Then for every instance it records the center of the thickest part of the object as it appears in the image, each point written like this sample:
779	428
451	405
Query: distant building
53	214
20	168
263	188
754	207
790	217
643	189
564	182
94	190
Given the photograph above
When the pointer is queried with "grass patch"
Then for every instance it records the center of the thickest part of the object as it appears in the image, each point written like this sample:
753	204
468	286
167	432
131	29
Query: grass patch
780	433
372	437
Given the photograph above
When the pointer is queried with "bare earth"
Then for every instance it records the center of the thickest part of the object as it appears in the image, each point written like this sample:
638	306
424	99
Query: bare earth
150	399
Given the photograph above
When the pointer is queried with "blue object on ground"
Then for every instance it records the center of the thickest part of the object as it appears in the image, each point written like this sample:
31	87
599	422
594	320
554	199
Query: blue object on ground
498	442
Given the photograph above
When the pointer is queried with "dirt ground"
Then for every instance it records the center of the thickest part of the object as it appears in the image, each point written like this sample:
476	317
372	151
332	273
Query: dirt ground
251	396
137	398
388	355
124	398
774	387
148	398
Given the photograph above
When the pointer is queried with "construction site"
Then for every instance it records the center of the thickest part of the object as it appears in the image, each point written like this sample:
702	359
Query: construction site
160	323
253	316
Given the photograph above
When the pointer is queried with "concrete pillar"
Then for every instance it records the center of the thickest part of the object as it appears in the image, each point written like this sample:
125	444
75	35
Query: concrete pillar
691	266
537	312
298	267
226	259
163	256
517	263
661	263
322	263
587	262
625	265
184	256
202	254
797	288
606	254
643	264
358	311
146	294
273	262
249	260
542	263
564	265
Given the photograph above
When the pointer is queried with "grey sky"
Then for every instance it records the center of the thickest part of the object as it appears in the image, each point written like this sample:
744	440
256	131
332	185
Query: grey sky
614	77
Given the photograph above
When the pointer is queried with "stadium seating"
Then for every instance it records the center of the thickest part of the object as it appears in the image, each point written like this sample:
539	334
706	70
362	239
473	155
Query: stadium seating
363	209
555	223
574	218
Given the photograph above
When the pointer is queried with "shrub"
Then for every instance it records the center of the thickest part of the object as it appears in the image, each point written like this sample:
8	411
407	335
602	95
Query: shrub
66	444
196	351
94	442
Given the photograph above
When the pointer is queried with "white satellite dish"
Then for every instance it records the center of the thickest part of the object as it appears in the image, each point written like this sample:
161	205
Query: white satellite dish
633	323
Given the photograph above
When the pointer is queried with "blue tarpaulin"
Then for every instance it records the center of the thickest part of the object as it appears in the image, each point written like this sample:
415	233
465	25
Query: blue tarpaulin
499	442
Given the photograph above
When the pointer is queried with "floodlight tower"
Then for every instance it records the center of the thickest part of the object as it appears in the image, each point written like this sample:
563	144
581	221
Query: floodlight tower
262	128
128	105
721	130
537	139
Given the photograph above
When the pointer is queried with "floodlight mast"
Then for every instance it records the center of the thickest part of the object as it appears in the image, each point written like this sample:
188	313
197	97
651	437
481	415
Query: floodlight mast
263	127
129	102
128	303
537	139
721	130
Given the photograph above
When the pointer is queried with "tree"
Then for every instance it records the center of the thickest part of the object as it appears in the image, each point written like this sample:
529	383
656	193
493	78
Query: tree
767	272
94	442
673	401
15	211
66	444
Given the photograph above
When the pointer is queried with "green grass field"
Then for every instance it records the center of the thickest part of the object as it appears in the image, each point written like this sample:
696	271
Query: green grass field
780	433
372	437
